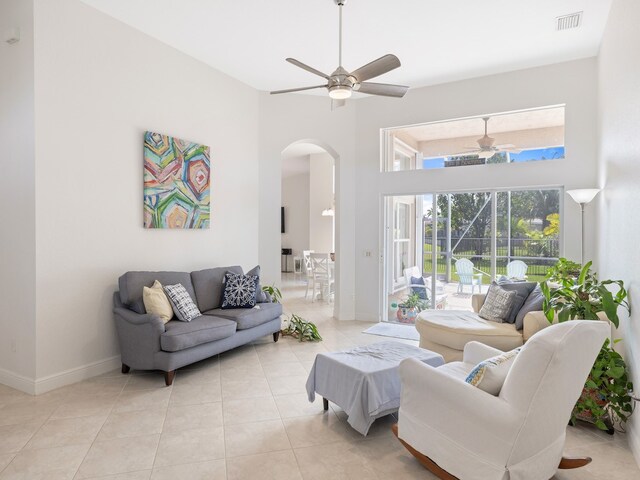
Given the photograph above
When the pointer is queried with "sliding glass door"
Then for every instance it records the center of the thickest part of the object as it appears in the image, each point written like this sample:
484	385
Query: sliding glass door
457	243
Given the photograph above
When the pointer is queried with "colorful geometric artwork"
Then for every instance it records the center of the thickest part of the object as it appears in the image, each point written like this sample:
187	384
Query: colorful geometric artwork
176	183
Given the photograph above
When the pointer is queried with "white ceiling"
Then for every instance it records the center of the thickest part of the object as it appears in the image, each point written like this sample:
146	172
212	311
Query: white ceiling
437	41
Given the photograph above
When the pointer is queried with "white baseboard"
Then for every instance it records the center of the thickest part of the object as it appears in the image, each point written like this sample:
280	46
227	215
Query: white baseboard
57	380
77	374
634	443
19	382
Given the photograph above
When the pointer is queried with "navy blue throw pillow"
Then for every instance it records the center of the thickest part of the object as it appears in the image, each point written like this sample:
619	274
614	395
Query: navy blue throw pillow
422	292
239	291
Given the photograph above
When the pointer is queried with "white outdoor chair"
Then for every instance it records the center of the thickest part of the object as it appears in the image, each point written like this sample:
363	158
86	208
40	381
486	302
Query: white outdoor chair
322	275
457	430
517	270
308	271
441	297
467	275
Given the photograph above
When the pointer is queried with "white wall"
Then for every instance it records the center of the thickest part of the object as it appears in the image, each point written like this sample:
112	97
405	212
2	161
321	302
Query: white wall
619	161
295	200
572	83
17	187
286	119
99	85
320	198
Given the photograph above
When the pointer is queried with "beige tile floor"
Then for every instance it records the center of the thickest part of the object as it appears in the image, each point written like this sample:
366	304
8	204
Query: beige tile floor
242	415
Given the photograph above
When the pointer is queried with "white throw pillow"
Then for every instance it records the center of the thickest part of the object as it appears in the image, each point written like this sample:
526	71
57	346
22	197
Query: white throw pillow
490	374
156	301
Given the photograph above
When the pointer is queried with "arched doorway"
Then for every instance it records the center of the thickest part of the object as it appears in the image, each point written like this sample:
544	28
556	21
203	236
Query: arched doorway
309	217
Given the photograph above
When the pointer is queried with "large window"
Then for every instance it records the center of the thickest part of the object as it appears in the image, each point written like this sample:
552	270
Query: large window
514	137
462	241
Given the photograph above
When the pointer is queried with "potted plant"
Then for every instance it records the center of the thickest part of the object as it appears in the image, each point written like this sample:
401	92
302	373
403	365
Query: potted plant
572	292
408	310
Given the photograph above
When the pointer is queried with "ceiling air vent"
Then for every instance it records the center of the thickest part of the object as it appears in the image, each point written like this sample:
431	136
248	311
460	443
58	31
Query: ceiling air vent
567	22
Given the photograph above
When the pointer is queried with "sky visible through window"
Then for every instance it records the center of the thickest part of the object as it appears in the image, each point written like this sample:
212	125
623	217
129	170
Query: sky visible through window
536	154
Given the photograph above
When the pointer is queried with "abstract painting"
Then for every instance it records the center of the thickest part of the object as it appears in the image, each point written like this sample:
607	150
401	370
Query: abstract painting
176	183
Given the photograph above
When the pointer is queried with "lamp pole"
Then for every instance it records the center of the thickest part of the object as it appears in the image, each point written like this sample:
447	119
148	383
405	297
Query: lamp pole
582	196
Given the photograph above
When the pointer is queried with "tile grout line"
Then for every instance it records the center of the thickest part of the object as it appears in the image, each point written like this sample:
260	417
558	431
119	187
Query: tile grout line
75	476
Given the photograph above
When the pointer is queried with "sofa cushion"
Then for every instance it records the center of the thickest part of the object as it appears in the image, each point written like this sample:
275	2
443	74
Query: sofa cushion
455	328
131	284
183	305
533	303
204	329
239	291
249	317
208	286
156	302
523	290
497	304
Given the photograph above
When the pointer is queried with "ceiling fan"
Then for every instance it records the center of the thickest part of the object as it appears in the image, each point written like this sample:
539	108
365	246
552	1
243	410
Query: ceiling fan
341	83
487	149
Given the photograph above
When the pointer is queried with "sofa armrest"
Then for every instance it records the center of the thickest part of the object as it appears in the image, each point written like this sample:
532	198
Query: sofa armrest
476	352
477	300
138	318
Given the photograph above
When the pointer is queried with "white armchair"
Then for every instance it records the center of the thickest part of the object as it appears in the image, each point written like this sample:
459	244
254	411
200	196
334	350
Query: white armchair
458	430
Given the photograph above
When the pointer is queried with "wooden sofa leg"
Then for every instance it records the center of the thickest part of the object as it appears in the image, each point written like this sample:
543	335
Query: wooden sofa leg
276	336
168	377
125	368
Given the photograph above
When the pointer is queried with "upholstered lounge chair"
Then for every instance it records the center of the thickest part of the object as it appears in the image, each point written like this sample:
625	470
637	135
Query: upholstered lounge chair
457	430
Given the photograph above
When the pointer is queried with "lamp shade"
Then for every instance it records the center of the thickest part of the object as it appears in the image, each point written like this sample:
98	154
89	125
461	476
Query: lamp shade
583	195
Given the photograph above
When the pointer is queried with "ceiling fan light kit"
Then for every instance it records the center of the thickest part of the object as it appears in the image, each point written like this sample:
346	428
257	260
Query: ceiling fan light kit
341	83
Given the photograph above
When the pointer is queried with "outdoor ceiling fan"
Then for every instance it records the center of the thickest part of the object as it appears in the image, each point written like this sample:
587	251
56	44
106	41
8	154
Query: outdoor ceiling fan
487	149
341	83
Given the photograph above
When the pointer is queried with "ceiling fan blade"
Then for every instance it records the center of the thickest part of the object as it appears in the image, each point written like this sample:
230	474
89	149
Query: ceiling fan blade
289	90
504	146
486	154
376	68
384	89
298	63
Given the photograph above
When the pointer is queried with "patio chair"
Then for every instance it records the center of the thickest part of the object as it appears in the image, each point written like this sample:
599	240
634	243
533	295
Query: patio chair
517	270
441	297
467	276
322	268
308	271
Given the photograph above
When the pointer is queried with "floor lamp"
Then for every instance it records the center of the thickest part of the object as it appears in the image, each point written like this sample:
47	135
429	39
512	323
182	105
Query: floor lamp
582	196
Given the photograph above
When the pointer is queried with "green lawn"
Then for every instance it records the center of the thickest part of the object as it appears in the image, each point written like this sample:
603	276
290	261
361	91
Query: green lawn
535	273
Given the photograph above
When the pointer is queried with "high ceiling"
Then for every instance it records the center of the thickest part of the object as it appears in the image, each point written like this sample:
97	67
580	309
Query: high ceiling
437	41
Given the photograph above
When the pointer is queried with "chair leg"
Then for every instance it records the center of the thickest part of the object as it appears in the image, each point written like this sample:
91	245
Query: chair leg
567	463
168	377
425	461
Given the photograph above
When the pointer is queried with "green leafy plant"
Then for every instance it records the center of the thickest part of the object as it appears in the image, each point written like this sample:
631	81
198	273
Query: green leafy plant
301	329
572	292
273	292
581	297
414	301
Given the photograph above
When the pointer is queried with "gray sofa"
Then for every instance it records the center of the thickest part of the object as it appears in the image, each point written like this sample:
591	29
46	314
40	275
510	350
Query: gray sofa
148	344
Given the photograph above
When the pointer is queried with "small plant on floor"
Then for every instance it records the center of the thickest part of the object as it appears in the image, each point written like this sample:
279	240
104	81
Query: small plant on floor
301	329
295	325
575	292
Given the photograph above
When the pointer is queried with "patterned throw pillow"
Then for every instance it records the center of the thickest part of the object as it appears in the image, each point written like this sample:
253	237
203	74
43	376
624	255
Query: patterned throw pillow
497	304
183	306
489	375
239	291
